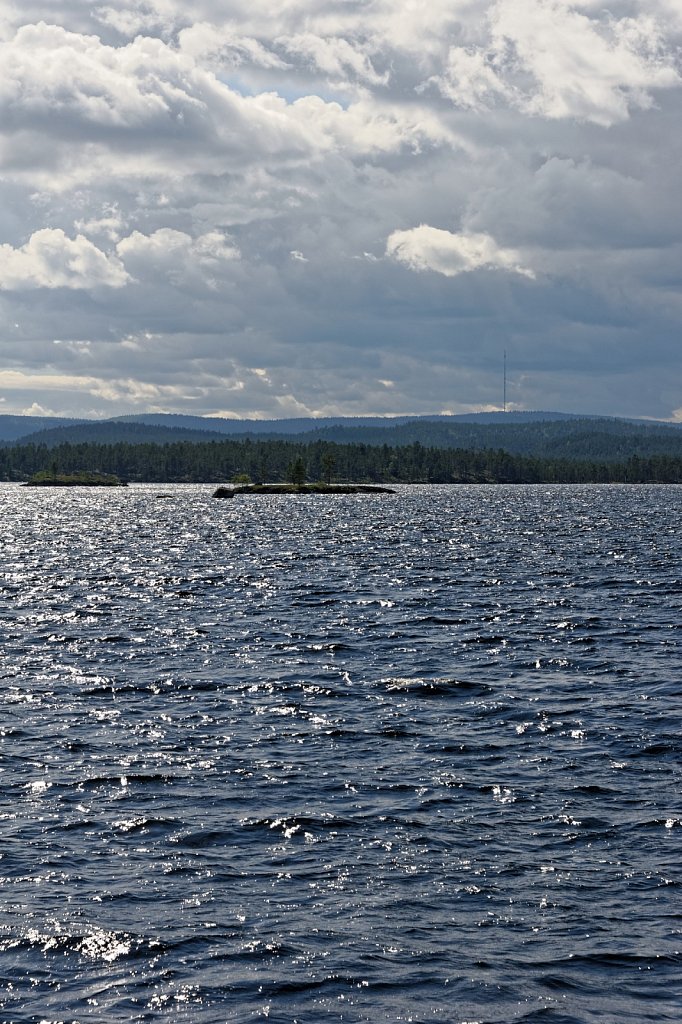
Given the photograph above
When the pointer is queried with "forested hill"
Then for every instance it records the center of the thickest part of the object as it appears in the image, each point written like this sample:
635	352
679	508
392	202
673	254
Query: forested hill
305	424
276	461
114	432
176	426
13	427
603	439
588	438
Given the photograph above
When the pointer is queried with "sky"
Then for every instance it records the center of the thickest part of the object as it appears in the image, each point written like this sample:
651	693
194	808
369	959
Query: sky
340	207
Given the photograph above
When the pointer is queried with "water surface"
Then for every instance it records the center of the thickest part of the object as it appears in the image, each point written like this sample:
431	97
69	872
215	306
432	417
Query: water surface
351	758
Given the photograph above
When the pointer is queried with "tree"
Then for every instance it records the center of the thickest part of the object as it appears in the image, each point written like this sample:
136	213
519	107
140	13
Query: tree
296	472
328	466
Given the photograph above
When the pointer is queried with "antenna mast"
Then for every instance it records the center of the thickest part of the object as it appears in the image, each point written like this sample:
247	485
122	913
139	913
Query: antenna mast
504	383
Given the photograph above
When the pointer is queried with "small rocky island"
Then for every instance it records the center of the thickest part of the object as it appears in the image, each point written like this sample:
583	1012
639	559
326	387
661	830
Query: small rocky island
47	478
316	488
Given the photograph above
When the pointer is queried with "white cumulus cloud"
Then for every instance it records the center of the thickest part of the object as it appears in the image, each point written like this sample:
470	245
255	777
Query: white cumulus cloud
428	248
52	260
177	257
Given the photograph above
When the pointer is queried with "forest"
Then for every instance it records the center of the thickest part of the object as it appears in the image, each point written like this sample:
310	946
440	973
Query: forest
274	460
589	439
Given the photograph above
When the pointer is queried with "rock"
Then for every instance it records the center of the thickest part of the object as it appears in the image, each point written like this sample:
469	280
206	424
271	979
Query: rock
318	488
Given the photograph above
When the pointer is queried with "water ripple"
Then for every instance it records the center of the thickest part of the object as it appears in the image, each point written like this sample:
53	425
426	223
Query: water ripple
414	758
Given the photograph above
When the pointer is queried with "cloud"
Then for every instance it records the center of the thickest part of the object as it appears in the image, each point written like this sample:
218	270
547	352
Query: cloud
47	69
335	57
427	248
594	70
471	80
111	390
169	250
51	260
549	58
222	45
109	224
148	102
164	166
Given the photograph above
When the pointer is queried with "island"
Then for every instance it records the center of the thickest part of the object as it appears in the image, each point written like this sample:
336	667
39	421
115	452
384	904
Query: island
316	488
48	478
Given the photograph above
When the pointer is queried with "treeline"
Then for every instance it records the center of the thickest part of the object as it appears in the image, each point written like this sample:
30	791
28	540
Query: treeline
271	461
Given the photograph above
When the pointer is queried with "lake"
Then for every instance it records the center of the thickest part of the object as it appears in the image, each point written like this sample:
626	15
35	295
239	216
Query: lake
409	757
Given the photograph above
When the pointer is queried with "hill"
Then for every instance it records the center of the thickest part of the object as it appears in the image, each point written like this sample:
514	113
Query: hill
114	432
14	428
539	434
307	424
574	438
